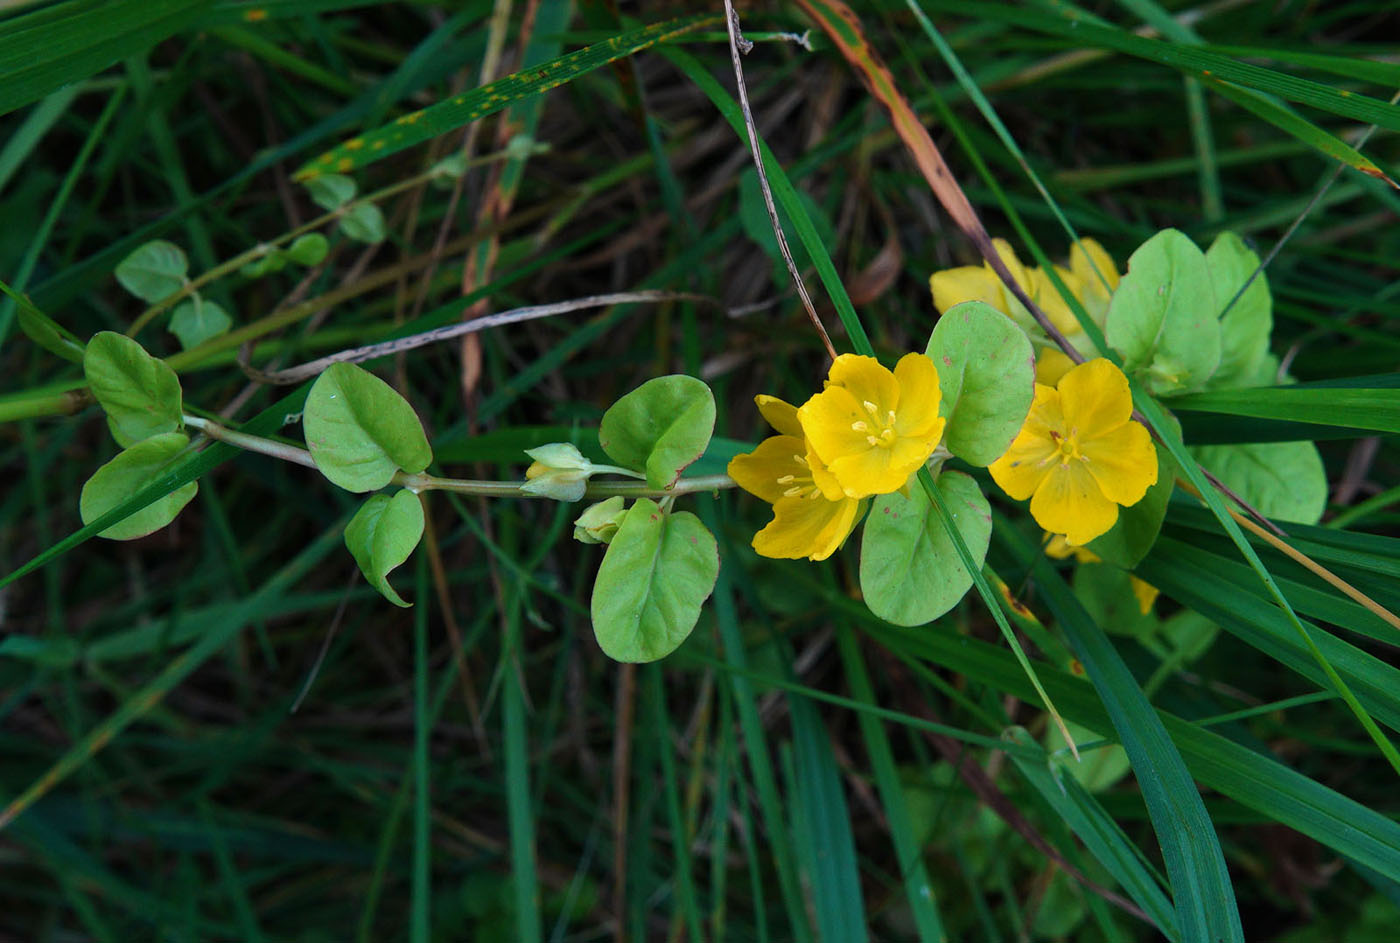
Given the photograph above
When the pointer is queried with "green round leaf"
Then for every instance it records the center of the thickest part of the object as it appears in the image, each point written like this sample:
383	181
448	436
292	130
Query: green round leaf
1129	540
360	432
140	394
331	191
1245	328
986	370
153	271
1283	480
309	249
659	569
133	469
910	571
382	534
195	321
1162	318
660	427
363	223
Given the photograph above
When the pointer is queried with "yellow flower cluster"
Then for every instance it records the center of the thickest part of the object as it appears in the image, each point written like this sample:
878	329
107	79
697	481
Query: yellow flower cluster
1091	278
865	434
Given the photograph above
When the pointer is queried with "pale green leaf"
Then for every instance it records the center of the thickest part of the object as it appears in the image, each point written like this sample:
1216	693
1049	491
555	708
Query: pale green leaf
382	534
140	394
659	569
360	431
195	321
308	250
1162	318
153	271
127	473
1245	327
1283	480
986	370
660	427
910	572
363	222
331	191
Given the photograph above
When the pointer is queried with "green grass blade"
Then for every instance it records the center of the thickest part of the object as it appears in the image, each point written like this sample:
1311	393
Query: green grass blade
418	126
1254	780
420	908
1100	834
24	139
780	843
1368	410
172	674
46	49
909	861
686	905
1084	30
529	927
1302	129
785	195
1201	889
822	822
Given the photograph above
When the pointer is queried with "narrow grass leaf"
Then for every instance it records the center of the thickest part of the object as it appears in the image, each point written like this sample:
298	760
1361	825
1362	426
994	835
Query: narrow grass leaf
175	671
1201	887
909	860
419	126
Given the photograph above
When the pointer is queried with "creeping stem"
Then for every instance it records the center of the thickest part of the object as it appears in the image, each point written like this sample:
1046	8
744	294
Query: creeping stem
421	482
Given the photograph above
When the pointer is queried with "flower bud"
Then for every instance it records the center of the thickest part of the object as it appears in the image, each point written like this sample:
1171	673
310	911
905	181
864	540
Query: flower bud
600	521
559	471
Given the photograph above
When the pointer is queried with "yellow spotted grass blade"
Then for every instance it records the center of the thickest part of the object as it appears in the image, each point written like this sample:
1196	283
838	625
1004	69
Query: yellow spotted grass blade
459	110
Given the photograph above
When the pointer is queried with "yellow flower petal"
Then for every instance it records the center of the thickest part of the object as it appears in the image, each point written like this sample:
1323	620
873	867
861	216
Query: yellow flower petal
759	472
1095	398
919	397
1020	471
869	472
809	527
1094	268
823	478
868	380
1013	264
1123	462
1145	593
968	283
1059	549
1051	364
835	423
1069	502
1053	303
780	415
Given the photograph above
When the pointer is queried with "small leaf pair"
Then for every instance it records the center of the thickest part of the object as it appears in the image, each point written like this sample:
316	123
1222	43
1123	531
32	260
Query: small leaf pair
661	565
361	433
158	269
143	402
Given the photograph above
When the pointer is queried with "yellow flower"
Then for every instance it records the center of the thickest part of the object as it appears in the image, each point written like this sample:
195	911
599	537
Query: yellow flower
981	283
1091	278
871	427
784	472
1080	454
1059	549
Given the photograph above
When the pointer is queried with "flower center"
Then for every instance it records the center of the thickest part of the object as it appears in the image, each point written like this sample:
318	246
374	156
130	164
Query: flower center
1068	447
800	483
879	433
